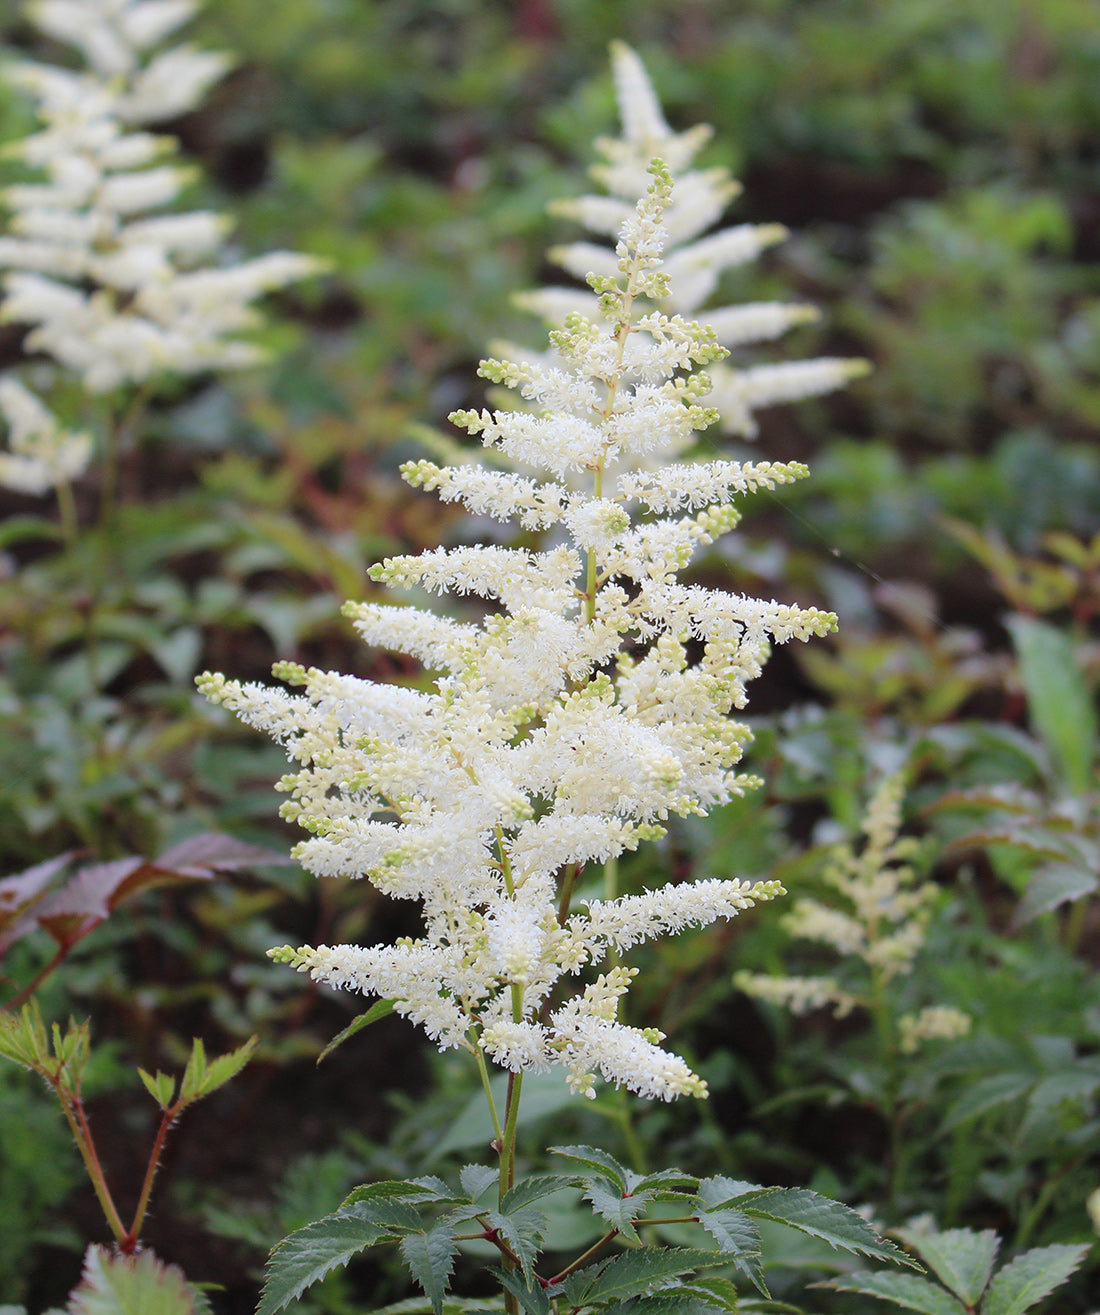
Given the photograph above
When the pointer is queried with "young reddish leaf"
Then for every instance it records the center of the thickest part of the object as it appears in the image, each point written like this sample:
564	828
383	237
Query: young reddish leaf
23	889
85	900
213	852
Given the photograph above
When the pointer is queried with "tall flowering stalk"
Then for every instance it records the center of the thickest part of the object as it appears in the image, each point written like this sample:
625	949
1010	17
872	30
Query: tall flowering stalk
566	727
590	701
875	919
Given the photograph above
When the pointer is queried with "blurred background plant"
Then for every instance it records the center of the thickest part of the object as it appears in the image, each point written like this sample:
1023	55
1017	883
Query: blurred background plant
936	166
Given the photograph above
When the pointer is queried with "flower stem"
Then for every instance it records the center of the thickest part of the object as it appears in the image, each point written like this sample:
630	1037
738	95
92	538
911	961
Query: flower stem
483	1070
73	1108
167	1119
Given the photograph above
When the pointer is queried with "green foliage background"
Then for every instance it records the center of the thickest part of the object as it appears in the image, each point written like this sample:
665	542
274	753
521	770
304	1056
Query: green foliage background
938	163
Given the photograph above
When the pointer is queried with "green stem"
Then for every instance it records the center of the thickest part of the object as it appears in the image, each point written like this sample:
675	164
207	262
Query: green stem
888	1048
569	885
483	1070
66	511
1074	927
508	1164
167	1119
37	980
582	1259
73	1109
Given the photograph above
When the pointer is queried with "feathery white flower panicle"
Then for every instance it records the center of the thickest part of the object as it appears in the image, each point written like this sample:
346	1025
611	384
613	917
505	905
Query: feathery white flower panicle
882	925
41	455
114	290
562	729
695	260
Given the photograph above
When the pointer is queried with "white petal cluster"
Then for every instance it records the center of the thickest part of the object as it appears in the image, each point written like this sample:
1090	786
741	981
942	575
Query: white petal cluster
935	1023
40	453
695	260
564	728
114	291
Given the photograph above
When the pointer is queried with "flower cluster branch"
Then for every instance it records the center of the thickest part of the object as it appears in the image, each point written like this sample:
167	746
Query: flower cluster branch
695	260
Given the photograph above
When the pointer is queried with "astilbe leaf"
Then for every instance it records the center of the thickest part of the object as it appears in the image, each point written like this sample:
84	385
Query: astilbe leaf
905	1290
309	1253
818	1216
961	1258
430	1257
1025	1281
140	1284
635	1273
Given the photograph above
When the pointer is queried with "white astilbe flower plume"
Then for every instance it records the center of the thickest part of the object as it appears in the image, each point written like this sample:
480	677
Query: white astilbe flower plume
114	289
562	729
40	453
694	259
882	926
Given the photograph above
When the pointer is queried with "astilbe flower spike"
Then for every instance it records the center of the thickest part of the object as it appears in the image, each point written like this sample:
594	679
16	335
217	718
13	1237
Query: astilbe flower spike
562	729
694	260
113	289
880	927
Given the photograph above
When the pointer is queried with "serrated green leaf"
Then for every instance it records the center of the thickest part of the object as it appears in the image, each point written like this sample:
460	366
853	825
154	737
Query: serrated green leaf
388	1190
534	1189
738	1238
161	1088
723	1191
476	1179
380	1009
819	1216
679	1300
433	1183
634	1273
733	1230
959	1257
308	1254
23	1036
222	1069
900	1289
667	1178
194	1072
720	1290
430	1258
131	1285
617	1210
599	1162
1029	1278
522	1232
532	1299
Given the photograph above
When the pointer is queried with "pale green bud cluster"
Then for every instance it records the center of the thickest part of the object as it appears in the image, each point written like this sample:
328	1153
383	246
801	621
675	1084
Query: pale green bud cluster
881	923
